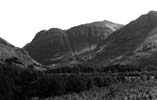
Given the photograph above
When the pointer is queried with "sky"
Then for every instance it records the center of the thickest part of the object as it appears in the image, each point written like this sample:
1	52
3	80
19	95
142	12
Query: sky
20	20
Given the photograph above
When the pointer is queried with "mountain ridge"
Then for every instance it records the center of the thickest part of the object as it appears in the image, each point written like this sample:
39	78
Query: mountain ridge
11	55
125	41
69	43
101	42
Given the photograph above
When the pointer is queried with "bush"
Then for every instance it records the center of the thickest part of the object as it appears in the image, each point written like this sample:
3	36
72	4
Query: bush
76	84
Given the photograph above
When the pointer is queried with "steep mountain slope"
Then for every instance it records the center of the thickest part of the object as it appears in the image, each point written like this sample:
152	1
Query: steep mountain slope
56	46
12	55
88	36
48	45
133	44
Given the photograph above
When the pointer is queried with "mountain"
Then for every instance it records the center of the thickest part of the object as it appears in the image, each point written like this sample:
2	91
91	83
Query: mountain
135	43
14	56
66	47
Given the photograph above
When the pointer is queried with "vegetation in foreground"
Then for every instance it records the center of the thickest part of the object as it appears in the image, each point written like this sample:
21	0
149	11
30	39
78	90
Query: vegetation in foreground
143	90
33	85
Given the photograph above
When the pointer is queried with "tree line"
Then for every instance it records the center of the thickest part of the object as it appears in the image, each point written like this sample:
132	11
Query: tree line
23	84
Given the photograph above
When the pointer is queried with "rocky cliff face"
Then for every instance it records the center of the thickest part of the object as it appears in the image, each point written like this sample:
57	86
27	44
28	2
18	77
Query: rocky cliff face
103	43
135	43
48	45
56	46
12	55
88	36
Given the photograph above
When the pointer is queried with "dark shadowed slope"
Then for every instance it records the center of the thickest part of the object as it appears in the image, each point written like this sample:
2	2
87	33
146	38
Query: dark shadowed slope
56	46
48	45
131	43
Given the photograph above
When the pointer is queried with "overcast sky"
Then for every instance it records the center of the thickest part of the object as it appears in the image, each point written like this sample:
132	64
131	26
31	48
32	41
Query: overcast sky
20	20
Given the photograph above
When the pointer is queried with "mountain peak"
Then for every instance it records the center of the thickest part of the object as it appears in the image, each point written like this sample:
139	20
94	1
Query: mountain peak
148	20
57	46
152	13
105	23
152	18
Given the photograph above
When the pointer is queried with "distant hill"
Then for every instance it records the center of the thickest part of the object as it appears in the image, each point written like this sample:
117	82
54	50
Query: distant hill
11	55
67	47
99	43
